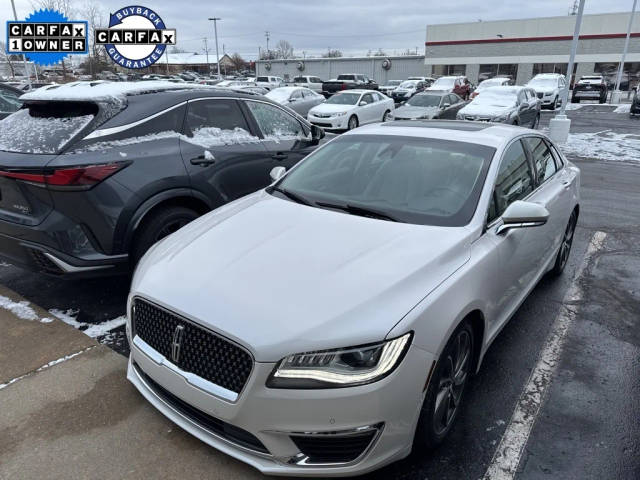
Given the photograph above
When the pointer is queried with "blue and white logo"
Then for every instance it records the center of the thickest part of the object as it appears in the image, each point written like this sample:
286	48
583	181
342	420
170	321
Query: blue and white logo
136	38
46	37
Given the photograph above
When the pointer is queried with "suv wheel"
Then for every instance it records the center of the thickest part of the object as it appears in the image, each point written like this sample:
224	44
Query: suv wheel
536	122
555	104
159	224
353	122
446	388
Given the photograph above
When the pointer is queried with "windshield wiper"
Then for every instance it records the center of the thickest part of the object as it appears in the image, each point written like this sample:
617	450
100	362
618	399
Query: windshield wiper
292	196
361	211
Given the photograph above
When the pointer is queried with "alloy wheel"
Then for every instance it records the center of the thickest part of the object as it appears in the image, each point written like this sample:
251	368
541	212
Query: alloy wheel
567	241
452	382
385	117
353	123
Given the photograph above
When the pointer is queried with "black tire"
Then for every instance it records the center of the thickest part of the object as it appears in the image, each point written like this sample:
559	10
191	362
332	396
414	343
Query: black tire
516	122
158	225
565	247
602	100
446	389
352	122
554	106
536	122
385	116
575	100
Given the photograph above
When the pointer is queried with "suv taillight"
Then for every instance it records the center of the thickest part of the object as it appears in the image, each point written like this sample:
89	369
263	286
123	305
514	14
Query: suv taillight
68	178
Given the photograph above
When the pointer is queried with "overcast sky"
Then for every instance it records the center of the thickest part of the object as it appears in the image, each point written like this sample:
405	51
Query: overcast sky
352	26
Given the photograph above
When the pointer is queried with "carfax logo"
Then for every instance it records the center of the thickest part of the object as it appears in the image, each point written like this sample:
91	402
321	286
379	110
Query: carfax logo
46	37
136	38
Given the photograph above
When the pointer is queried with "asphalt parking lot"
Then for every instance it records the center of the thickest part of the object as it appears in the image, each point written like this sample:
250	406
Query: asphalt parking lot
587	426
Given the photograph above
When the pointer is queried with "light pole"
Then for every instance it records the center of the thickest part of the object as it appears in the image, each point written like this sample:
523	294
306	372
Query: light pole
559	125
615	96
24	60
215	29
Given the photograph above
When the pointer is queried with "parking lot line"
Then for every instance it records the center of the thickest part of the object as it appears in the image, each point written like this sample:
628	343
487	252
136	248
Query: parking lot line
507	456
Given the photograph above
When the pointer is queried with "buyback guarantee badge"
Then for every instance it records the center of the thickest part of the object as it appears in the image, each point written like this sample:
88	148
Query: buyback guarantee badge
46	37
136	38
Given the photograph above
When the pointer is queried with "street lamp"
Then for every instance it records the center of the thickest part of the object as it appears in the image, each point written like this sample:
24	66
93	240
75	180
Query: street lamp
615	96
215	29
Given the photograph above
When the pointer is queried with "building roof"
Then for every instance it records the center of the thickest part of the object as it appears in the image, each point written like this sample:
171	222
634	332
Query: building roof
192	58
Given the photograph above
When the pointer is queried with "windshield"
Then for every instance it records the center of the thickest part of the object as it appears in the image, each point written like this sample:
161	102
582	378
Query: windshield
344	99
279	95
408	84
444	82
543	82
346	77
424	101
413	180
300	79
262	79
44	128
497	97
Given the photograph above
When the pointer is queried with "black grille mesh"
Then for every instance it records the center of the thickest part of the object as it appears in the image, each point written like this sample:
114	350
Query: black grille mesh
333	448
202	352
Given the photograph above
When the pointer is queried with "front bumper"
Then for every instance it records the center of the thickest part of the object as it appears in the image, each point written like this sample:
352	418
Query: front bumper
330	123
277	417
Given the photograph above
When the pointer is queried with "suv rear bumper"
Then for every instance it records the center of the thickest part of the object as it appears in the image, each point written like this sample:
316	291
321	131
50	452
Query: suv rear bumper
39	248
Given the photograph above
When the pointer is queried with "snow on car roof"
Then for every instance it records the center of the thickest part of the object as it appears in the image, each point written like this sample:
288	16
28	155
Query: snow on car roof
104	91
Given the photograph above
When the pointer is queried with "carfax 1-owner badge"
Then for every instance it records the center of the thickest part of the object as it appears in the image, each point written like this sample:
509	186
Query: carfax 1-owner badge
136	38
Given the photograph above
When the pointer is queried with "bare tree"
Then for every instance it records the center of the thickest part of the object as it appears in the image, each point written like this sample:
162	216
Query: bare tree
238	62
332	53
284	49
8	59
65	7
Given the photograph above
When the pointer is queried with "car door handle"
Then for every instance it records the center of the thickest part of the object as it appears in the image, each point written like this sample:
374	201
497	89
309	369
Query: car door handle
202	161
279	156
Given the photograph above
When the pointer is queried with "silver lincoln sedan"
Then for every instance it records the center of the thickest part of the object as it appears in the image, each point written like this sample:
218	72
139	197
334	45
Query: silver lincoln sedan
328	324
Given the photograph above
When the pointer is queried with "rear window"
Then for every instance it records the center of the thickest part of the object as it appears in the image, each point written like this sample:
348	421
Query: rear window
45	128
262	79
300	79
346	77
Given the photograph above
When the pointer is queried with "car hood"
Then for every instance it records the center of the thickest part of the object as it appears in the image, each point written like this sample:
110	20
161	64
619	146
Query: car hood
331	108
486	110
280	277
408	111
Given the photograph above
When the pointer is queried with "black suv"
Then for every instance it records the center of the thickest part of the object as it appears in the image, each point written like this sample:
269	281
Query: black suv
592	87
92	174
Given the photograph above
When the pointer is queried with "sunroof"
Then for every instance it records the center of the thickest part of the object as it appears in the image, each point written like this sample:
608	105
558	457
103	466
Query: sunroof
453	125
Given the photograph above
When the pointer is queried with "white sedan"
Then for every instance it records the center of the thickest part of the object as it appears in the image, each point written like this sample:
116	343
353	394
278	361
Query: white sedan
349	109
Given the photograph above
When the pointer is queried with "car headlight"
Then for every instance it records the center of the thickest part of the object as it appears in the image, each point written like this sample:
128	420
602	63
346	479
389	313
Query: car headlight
339	114
343	367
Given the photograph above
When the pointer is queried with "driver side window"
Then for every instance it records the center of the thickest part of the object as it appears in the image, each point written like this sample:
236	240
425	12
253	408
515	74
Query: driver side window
514	181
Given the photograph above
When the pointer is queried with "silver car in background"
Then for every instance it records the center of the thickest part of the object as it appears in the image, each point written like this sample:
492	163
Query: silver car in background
298	99
511	105
330	323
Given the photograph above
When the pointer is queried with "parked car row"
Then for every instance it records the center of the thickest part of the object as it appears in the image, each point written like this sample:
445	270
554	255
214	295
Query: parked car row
391	242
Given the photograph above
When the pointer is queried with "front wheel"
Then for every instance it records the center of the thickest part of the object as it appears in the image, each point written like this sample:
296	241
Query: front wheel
565	246
352	123
385	117
555	104
446	388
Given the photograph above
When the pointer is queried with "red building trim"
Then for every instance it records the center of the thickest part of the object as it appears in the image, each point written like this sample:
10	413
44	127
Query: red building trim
531	39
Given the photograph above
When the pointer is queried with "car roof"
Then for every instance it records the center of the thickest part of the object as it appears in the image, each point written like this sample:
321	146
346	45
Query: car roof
434	93
481	133
288	89
515	89
549	75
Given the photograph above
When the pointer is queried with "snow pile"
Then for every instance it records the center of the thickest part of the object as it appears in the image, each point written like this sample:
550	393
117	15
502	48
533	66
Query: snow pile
624	108
94	147
21	310
216	137
104	91
23	133
603	146
93	330
573	106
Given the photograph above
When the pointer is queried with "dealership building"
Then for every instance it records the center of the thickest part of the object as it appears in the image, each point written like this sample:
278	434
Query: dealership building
479	50
524	48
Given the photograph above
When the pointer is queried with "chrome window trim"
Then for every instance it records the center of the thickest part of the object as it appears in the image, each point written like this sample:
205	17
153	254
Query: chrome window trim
103	132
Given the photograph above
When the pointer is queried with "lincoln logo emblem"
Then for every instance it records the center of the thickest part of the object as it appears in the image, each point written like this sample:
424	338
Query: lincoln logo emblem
176	343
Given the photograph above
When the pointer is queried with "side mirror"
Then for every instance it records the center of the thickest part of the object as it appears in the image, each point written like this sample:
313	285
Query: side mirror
522	215
363	103
293	100
317	134
446	105
277	173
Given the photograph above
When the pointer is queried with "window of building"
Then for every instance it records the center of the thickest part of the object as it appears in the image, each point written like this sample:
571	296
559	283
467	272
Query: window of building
630	74
493	70
446	70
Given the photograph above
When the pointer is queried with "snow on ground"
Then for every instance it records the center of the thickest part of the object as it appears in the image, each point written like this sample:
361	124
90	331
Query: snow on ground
21	310
603	146
574	106
94	330
624	108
